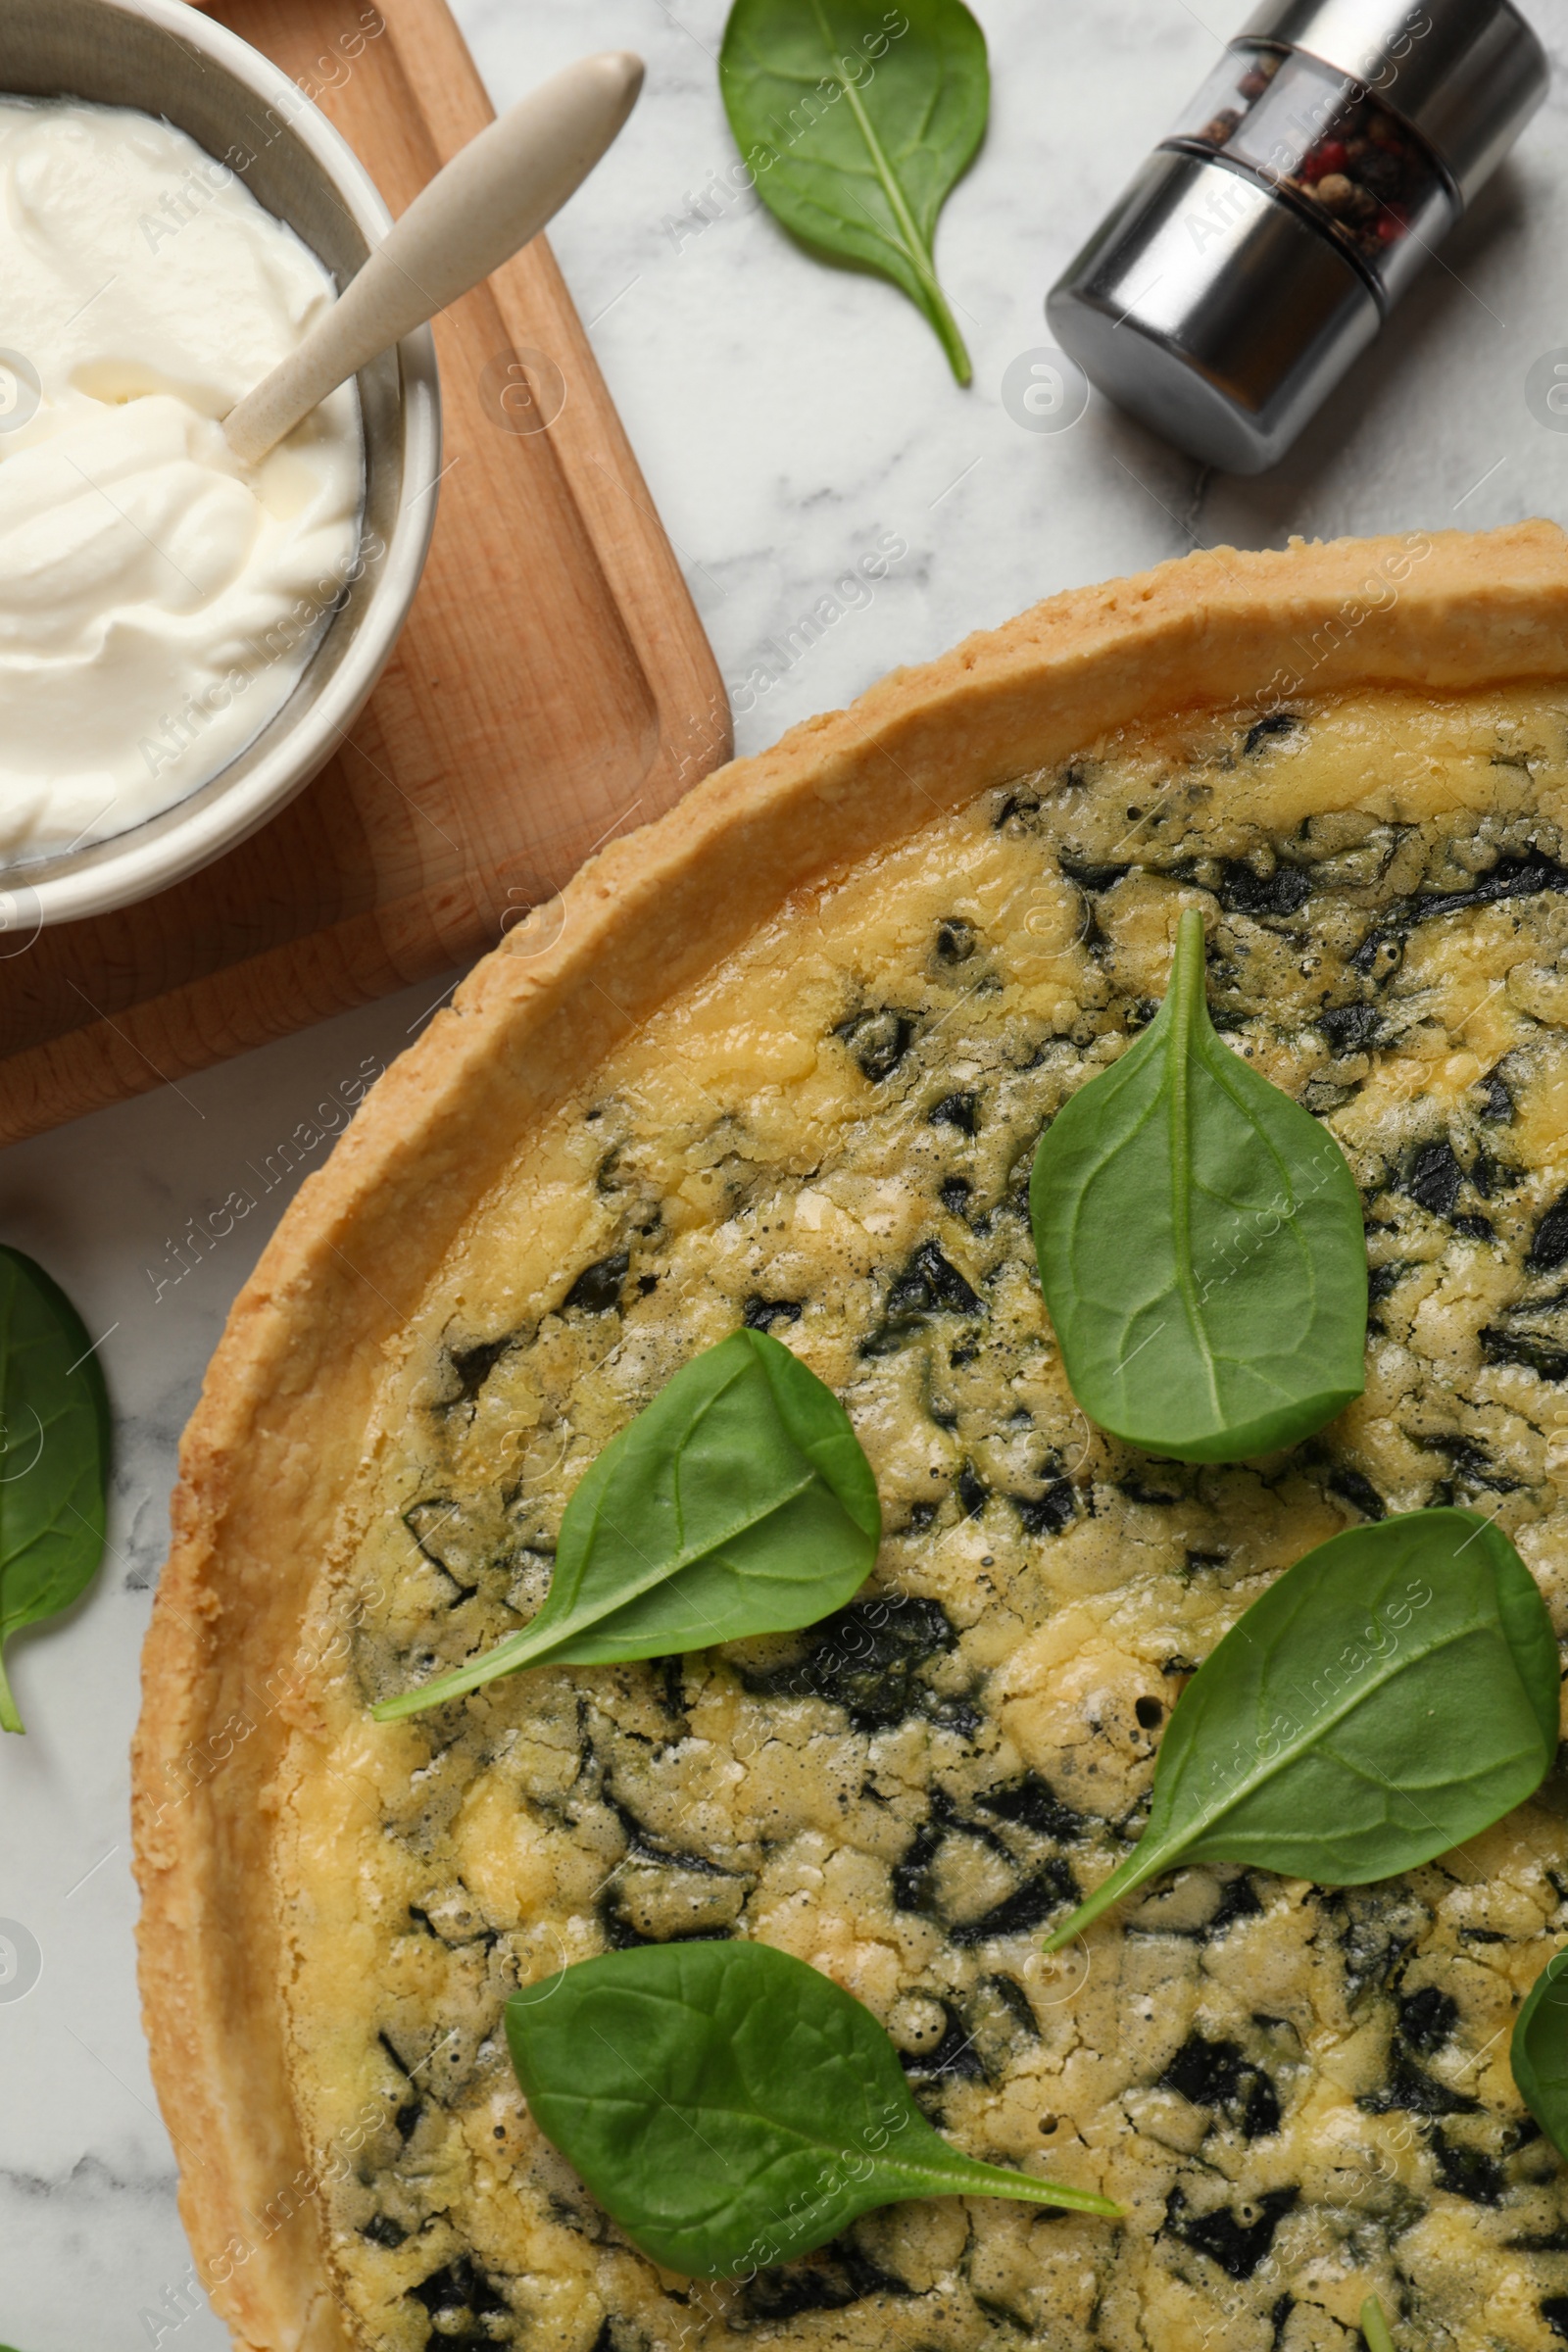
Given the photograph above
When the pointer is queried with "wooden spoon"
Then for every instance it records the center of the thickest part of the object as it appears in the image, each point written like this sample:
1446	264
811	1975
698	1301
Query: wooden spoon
493	196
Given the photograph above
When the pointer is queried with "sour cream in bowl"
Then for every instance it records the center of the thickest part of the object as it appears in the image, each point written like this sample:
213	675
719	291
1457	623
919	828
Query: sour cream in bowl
157	603
183	639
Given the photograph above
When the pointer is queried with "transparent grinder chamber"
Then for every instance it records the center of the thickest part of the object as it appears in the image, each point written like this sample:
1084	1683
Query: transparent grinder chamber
1262	245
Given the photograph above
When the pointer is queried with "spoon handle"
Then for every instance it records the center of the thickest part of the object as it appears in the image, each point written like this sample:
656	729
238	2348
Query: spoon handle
494	195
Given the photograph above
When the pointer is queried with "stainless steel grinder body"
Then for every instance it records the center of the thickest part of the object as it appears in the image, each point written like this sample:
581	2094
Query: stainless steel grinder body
1262	245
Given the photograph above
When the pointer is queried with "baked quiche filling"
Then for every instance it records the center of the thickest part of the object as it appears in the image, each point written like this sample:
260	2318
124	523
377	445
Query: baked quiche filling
1299	2096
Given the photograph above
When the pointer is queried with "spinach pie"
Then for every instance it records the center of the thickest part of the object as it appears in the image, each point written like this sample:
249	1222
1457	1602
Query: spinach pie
781	1063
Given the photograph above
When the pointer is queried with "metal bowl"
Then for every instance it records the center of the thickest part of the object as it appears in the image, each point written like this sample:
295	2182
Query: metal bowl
169	59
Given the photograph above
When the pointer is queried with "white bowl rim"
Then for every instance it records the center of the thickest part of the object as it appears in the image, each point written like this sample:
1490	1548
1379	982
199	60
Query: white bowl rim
140	869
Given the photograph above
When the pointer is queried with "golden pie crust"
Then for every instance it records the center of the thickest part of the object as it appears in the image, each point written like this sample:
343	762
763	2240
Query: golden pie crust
277	1441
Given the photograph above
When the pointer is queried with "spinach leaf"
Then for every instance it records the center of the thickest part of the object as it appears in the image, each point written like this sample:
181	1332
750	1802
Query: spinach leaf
738	1502
54	1456
856	122
1539	2051
1375	2328
1199	1244
730	2108
1391	1695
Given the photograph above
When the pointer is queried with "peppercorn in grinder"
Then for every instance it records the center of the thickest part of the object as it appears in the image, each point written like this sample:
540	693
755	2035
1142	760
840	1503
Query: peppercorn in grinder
1263	244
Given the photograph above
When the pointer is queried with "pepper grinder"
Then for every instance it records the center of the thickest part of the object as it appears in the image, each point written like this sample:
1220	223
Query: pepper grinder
1262	245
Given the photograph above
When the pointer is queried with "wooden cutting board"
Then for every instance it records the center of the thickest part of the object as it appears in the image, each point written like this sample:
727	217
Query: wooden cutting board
553	685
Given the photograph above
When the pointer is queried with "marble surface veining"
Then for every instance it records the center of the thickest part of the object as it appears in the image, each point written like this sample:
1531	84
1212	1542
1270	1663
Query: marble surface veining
793	421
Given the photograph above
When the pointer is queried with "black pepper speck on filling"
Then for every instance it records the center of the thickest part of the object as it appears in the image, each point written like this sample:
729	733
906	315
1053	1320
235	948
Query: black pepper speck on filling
1351	1028
955	940
930	1283
472	1366
1049	1513
963	1111
1267	730
596	1291
1282	893
1548	1247
1434	1178
762	1314
878	1040
1356	1488
1235	2242
867	1659
1427	2019
1218	2074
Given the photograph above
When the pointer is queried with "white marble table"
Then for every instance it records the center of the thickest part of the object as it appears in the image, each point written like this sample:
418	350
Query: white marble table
791	419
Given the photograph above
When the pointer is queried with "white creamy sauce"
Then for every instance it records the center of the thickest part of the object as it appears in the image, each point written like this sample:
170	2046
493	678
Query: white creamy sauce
158	600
